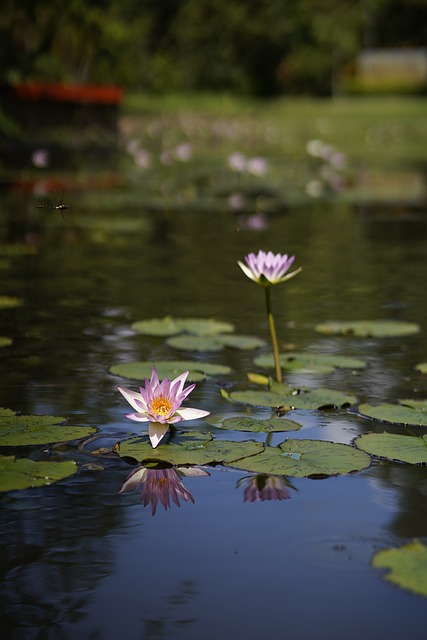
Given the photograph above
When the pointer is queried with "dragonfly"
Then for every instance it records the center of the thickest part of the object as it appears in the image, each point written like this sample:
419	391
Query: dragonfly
61	206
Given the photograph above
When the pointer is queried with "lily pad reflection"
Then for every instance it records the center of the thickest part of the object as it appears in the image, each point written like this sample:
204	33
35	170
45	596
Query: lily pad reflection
407	566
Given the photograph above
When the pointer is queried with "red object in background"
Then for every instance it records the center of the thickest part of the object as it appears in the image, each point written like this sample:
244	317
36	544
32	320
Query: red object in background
95	94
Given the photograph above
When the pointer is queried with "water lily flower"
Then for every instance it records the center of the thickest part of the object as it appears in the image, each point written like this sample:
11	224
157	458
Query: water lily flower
159	404
159	485
268	268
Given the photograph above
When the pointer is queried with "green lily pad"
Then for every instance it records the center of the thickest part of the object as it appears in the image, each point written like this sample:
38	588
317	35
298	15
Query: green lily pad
320	398
407	566
411	449
300	458
6	412
169	326
30	430
25	473
415	404
196	451
310	362
8	302
369	328
246	423
394	413
195	343
241	342
422	367
169	369
5	341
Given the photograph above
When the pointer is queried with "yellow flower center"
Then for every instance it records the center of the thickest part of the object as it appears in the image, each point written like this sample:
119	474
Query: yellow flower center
161	406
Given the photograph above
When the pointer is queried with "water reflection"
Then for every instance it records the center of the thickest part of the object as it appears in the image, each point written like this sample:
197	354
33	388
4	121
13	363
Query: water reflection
265	487
161	484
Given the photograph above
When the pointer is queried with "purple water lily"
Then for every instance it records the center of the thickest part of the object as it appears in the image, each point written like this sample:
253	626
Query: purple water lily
268	268
159	404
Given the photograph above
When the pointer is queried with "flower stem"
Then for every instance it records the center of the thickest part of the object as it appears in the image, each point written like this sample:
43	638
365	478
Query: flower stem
274	342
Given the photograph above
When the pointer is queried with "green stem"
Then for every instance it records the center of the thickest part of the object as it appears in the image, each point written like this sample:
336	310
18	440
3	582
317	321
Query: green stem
274	342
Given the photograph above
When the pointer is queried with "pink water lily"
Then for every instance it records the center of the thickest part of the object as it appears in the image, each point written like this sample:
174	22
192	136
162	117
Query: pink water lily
159	404
268	268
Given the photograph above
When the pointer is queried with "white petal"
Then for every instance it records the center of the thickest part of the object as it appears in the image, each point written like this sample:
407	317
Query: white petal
248	272
138	417
132	397
157	432
191	414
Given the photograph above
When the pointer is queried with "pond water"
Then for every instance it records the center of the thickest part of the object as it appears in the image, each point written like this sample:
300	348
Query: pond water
81	560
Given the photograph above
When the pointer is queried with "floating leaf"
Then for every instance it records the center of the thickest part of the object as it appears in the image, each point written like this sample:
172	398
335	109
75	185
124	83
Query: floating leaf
301	458
394	413
6	412
202	327
415	404
310	362
169	326
195	343
241	342
25	473
422	367
245	423
7	302
411	449
407	565
369	328
5	341
198	452
30	430
320	398
157	327
169	369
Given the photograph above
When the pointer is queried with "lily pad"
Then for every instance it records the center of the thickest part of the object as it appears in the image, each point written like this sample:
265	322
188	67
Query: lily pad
246	423
169	326
169	369
320	398
241	342
421	367
407	566
300	458
411	449
369	328
195	343
25	473
8	302
198	452
310	362
31	430
415	404
5	341
394	413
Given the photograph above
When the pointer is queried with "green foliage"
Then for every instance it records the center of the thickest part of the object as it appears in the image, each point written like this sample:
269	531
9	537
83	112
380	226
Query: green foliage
410	449
169	369
257	47
407	566
411	415
25	473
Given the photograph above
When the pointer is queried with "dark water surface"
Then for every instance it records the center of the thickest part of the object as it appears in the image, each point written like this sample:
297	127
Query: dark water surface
78	559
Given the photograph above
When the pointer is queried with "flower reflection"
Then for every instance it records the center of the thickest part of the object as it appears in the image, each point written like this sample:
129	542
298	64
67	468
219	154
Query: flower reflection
161	485
264	487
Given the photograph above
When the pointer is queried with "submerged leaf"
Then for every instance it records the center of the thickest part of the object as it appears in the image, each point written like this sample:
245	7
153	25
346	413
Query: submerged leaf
301	458
169	369
246	423
31	430
394	413
369	328
25	473
410	449
407	566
